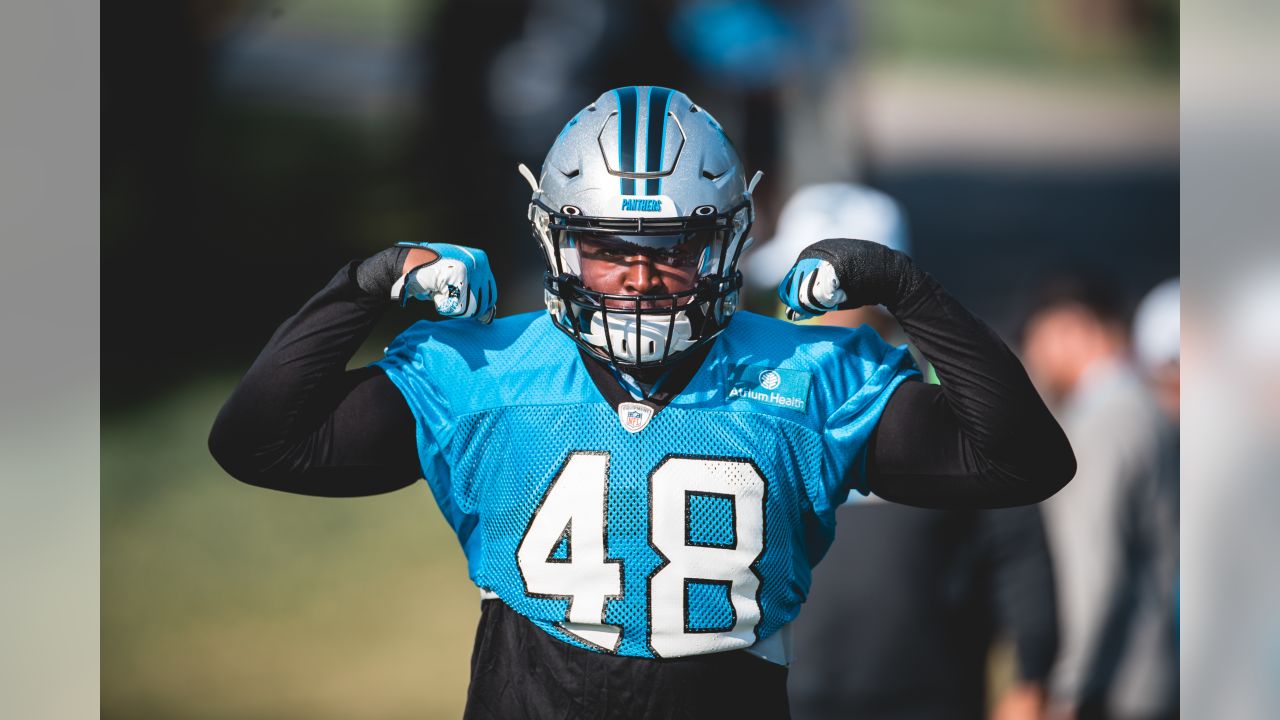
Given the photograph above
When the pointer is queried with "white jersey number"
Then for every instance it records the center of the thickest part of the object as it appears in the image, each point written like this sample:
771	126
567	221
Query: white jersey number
571	516
724	561
562	554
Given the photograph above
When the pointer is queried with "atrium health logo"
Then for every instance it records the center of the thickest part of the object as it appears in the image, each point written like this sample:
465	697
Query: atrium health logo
770	380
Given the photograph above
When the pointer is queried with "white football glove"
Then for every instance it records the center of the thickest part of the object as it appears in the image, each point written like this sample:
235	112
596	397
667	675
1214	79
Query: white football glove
459	282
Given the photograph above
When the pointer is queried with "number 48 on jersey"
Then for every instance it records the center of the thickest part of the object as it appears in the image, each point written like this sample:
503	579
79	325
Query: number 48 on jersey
706	524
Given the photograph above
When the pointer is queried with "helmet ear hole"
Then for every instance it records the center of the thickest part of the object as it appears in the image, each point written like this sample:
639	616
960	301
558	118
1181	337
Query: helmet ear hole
704	210
571	210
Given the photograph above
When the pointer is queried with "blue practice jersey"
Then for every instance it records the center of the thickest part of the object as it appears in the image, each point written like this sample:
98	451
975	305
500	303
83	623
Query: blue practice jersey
688	530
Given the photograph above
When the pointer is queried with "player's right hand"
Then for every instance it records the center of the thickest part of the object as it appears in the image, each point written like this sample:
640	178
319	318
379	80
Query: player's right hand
459	282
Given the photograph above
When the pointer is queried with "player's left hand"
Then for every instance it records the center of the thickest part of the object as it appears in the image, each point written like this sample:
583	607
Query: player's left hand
839	274
459	282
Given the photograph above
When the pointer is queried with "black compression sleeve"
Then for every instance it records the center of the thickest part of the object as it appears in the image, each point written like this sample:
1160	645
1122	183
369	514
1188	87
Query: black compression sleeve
982	439
298	422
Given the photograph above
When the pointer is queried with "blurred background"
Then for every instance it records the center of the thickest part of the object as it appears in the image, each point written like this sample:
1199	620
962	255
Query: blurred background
249	149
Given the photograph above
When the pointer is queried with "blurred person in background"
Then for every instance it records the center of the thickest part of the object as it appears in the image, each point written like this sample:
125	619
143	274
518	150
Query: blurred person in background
908	602
1157	344
1113	531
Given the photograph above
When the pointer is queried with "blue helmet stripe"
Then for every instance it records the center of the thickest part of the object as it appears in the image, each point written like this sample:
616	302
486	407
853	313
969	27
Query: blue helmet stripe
627	136
659	98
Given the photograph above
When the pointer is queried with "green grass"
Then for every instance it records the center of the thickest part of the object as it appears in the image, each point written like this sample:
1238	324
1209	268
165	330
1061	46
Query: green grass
220	600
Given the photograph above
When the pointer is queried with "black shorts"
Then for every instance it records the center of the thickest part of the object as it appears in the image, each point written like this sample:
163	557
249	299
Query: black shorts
519	671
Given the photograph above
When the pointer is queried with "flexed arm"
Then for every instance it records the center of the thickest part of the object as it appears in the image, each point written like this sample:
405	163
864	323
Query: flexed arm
299	422
982	439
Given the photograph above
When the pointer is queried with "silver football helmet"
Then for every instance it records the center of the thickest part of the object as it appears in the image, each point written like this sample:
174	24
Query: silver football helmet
642	170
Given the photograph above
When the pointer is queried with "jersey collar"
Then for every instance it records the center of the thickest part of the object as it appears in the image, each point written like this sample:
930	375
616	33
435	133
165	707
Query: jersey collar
666	389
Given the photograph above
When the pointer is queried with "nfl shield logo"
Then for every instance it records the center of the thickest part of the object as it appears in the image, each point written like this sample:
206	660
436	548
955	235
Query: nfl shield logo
634	416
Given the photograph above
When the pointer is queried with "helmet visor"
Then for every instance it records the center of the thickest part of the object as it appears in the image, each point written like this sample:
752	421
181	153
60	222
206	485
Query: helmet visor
643	264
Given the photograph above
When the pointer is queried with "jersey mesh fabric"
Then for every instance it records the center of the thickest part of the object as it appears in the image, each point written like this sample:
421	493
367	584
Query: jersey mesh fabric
502	409
711	520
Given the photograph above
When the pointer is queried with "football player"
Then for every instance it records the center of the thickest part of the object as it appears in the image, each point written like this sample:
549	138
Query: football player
642	477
